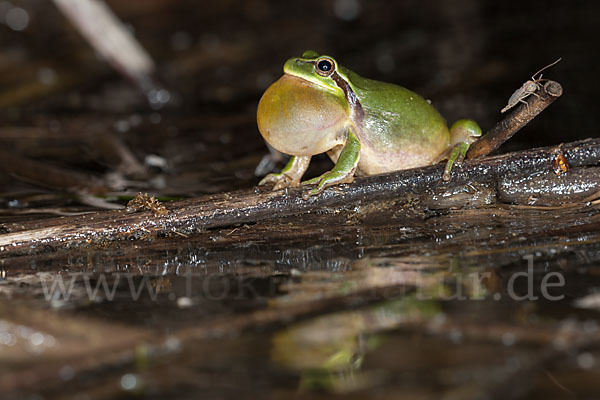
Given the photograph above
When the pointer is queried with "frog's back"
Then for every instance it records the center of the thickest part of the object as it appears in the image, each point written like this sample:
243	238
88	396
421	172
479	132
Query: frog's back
398	129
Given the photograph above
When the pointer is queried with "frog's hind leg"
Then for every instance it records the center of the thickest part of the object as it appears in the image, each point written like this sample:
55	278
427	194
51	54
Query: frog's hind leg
462	133
457	155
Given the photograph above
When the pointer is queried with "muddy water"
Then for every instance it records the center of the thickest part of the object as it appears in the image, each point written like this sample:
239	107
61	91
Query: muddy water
427	310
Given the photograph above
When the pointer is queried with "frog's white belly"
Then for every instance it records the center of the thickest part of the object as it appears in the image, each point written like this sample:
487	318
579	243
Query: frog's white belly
372	162
410	155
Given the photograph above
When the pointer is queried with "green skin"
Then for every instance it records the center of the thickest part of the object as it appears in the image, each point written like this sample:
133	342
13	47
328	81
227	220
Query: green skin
365	126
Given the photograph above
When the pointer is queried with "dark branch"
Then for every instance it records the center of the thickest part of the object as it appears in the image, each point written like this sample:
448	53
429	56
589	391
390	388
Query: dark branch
474	183
515	120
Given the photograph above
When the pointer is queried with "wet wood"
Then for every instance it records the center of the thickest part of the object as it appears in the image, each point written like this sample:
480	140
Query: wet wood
410	190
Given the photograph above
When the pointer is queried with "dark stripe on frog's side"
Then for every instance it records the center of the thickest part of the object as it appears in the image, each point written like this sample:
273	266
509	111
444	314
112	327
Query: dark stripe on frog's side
351	98
355	106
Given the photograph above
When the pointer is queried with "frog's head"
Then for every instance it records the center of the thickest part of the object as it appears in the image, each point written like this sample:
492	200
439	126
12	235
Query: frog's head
305	112
316	68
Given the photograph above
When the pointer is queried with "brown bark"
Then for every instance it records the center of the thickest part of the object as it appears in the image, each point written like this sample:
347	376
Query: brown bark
474	183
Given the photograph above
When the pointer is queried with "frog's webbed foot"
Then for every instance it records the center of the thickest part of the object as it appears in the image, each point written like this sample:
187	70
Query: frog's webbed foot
330	178
279	181
342	172
290	175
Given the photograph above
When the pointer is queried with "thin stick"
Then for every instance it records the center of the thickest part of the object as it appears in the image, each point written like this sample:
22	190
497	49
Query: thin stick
515	120
110	38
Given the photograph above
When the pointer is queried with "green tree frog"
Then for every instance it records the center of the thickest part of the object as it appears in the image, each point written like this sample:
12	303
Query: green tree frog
365	126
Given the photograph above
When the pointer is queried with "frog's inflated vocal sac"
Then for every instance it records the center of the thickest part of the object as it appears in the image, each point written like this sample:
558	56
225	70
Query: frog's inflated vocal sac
365	126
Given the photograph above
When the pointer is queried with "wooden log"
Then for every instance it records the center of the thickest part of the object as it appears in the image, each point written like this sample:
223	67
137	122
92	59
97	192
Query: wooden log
423	186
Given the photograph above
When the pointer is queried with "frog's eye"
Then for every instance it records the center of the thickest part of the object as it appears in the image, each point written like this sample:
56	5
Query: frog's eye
324	66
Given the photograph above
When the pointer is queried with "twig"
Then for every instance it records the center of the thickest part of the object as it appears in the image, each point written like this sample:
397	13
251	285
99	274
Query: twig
110	38
562	387
515	120
41	210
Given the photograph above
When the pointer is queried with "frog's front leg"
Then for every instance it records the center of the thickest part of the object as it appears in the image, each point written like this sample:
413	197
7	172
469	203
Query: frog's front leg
462	134
290	174
342	172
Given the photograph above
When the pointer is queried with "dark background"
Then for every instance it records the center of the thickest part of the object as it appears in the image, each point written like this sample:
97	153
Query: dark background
217	57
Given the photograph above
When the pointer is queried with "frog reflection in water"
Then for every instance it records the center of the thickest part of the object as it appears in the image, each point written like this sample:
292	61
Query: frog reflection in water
365	126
